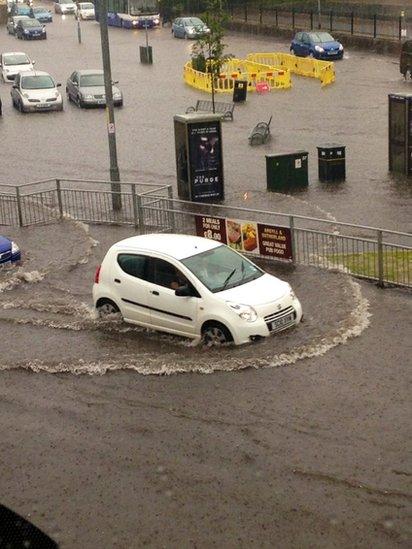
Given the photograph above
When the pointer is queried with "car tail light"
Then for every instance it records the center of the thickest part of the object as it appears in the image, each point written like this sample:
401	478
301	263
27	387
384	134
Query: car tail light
97	275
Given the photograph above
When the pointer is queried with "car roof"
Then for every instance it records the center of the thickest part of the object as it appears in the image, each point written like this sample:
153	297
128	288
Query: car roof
84	72
177	246
14	53
35	73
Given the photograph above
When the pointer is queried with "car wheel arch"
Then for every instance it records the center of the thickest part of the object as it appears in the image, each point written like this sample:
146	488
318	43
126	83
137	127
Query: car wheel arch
212	323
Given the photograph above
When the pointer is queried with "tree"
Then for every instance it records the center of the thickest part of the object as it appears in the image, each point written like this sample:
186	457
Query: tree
207	52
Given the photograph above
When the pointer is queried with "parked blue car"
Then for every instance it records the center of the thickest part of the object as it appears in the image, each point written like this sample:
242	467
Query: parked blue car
320	45
9	251
41	14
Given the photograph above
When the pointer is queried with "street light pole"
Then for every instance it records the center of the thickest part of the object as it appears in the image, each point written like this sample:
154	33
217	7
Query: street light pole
111	128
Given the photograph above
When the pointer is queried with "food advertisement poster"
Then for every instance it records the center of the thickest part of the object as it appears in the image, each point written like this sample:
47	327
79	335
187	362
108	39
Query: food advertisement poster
206	162
247	236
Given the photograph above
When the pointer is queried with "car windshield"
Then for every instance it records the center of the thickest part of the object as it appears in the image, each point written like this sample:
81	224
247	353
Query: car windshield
41	82
321	37
86	6
16	59
194	22
92	80
222	268
66	2
30	23
40	10
23	10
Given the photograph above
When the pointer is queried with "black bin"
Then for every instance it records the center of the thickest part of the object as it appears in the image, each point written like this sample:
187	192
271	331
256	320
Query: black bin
331	162
146	55
240	91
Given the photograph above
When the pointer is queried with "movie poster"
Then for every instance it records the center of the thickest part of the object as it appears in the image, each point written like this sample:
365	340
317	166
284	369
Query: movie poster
206	162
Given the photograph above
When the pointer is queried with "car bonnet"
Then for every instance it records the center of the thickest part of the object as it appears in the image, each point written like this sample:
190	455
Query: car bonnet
264	289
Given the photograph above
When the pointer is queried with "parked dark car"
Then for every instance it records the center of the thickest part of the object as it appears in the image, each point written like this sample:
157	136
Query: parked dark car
9	251
30	29
12	23
41	14
405	64
320	45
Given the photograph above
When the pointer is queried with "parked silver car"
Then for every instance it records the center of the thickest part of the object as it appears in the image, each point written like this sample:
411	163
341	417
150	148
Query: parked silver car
86	88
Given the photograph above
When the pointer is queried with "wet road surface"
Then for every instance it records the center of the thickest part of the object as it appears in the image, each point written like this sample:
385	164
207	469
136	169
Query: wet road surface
290	451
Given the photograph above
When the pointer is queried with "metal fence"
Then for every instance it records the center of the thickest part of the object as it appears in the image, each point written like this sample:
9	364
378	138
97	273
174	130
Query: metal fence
347	21
366	252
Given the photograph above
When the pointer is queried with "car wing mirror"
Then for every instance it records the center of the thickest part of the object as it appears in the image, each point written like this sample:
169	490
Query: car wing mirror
58	84
115	82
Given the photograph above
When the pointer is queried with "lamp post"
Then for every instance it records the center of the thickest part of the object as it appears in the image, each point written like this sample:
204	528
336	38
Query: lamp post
111	127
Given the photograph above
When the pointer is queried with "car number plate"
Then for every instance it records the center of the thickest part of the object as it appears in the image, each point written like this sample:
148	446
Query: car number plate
281	322
43	106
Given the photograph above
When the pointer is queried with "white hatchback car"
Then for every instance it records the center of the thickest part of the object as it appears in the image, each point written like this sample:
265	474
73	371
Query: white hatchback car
193	287
13	62
85	10
64	6
36	91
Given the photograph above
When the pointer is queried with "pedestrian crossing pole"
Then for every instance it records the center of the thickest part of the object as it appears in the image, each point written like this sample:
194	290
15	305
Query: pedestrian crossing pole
111	127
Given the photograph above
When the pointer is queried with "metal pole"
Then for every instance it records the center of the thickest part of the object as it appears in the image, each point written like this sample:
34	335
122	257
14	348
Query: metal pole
319	16
79	30
59	198
380	258
111	128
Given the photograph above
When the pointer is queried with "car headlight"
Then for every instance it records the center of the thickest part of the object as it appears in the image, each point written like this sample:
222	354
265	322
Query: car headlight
340	47
156	21
43	29
117	95
246	312
26	95
190	31
6	71
14	248
135	23
319	48
26	31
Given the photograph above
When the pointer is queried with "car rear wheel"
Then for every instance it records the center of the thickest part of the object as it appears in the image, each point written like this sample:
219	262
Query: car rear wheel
215	334
106	308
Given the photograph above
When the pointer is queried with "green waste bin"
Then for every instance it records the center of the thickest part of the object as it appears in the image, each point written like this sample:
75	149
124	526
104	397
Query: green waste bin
146	55
286	170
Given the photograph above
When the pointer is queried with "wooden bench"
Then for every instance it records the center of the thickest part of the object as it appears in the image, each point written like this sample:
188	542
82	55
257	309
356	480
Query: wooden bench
260	133
203	105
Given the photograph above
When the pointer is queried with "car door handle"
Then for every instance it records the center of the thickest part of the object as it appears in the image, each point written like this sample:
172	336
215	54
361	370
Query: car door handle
117	281
154	292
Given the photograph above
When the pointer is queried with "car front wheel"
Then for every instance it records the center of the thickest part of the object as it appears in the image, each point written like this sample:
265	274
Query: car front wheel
215	334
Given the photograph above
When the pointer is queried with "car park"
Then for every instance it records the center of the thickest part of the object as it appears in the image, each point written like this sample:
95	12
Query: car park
193	287
36	91
86	89
85	10
20	9
12	23
189	27
30	29
64	7
9	251
41	14
320	45
14	62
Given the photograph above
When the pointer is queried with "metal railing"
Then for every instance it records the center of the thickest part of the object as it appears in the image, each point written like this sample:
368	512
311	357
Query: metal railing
348	21
366	252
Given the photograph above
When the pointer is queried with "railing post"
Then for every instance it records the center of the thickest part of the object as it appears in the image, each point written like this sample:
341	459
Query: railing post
260	15
292	237
331	20
59	198
19	210
276	17
374	25
170	207
293	19
311	19
380	258
140	213
245	12
135	211
352	16
400	28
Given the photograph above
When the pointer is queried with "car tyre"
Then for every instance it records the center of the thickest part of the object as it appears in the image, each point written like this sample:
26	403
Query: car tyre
215	334
312	55
292	51
20	106
107	307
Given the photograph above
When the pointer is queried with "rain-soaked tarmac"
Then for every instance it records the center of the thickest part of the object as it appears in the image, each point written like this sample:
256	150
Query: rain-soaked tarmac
307	447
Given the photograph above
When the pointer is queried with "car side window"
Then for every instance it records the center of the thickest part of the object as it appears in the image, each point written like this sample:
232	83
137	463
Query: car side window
133	265
298	37
167	275
305	38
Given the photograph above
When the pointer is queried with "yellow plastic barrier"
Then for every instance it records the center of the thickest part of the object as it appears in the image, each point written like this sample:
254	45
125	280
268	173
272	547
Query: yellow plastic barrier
238	69
303	66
